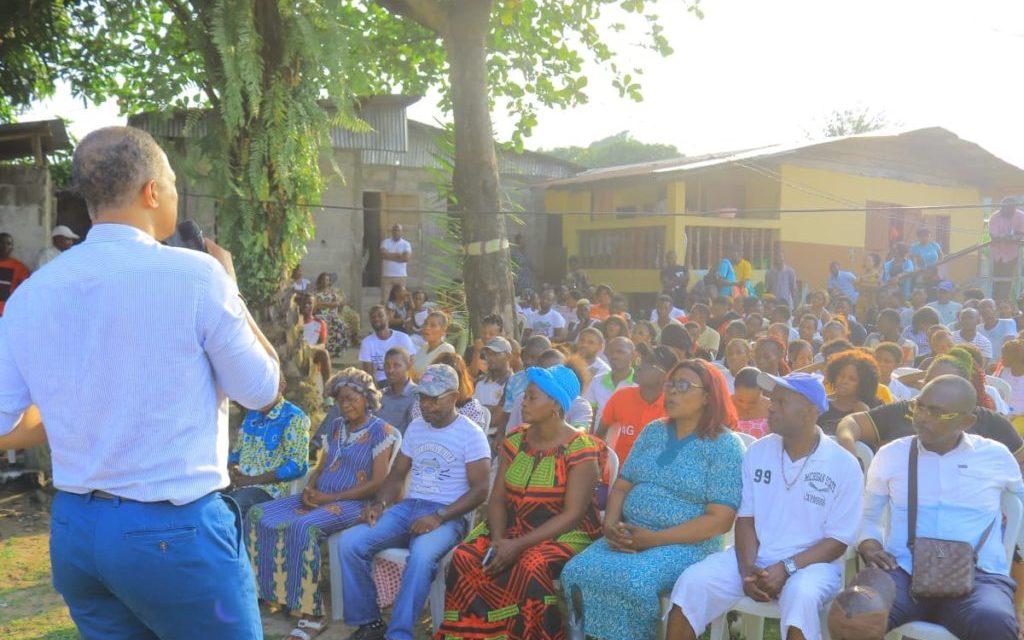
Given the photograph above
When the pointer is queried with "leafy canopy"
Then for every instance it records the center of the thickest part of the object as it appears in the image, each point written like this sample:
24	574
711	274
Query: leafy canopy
621	148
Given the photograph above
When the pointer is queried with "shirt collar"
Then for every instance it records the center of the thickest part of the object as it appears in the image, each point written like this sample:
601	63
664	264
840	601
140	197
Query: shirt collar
117	232
965	445
606	380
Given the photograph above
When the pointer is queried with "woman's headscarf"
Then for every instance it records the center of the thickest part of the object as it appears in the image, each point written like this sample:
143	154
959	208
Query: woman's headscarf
968	369
558	383
360	382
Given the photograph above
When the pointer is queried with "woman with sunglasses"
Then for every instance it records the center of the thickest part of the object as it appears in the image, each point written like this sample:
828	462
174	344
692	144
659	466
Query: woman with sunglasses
677	494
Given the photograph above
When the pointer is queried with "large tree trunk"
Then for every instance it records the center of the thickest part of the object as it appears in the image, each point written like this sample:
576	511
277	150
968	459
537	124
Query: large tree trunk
487	274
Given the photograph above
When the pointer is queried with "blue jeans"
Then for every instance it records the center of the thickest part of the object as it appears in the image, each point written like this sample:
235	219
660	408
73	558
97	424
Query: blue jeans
986	613
134	570
248	497
360	543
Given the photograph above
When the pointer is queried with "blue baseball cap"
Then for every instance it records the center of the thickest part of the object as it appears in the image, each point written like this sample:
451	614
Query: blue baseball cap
807	385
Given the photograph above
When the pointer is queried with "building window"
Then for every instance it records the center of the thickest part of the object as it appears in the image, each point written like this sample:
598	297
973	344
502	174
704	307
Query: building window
630	248
705	245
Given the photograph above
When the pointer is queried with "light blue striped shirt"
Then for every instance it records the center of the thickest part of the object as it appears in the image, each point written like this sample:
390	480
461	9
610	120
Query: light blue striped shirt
129	348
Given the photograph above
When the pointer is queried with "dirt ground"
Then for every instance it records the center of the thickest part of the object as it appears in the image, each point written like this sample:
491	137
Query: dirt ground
29	607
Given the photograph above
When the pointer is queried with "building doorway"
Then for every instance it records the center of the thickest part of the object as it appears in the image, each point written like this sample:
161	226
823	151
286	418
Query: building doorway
373	201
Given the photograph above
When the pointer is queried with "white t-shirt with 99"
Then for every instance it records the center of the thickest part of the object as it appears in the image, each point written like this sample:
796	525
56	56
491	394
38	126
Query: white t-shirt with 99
796	504
439	458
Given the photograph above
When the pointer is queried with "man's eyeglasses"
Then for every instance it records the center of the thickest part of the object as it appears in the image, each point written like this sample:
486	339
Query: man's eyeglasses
936	413
681	386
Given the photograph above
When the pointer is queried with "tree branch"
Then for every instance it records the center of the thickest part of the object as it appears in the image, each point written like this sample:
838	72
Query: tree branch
431	14
202	45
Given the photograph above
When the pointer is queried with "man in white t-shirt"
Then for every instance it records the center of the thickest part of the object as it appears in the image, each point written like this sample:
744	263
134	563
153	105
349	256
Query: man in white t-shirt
395	253
997	330
375	346
947	307
546	321
447	461
490	386
590	347
801	505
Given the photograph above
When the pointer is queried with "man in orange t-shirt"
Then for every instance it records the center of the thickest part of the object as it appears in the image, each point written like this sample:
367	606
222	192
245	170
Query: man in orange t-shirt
12	272
631	409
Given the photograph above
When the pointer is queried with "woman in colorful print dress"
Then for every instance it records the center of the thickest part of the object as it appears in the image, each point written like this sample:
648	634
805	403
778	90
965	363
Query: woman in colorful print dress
329	304
541	512
283	536
677	494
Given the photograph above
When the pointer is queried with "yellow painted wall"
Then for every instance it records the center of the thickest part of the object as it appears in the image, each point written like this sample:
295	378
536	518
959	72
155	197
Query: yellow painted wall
560	201
800	191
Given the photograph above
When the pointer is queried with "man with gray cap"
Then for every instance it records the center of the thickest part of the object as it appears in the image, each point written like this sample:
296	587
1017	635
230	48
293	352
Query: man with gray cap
800	509
490	386
62	239
1006	228
446	458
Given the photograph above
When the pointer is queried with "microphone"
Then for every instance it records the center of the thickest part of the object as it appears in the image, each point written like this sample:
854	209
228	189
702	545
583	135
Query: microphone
188	236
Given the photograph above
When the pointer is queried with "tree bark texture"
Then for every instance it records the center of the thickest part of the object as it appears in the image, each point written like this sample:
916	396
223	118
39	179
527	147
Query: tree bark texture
487	277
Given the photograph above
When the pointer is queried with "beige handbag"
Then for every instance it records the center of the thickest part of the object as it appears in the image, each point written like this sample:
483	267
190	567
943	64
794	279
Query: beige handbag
941	568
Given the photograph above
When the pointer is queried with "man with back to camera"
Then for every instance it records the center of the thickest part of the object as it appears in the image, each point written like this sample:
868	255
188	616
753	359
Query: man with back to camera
142	543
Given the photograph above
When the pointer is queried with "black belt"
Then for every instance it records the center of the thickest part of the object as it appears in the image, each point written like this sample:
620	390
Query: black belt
108	496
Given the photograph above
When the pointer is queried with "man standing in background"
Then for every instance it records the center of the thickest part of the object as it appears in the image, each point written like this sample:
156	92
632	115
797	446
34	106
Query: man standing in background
63	239
1006	228
395	253
12	271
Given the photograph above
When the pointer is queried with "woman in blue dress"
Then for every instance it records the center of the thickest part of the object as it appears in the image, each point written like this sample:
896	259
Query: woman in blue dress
677	494
283	536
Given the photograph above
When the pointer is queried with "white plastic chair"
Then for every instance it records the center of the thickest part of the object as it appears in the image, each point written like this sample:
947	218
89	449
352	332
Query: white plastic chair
1013	511
864	454
746	438
334	563
1000	385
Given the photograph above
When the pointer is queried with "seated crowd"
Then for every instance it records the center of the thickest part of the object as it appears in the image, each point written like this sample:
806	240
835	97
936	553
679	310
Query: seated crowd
611	460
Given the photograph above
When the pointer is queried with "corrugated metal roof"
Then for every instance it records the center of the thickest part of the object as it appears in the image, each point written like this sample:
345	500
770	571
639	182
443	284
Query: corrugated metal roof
929	149
394	140
16	138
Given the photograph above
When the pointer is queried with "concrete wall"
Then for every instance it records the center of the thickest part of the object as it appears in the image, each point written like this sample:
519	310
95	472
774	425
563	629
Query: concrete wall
26	209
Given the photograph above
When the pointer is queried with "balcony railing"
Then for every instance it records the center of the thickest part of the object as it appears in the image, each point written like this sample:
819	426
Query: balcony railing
629	248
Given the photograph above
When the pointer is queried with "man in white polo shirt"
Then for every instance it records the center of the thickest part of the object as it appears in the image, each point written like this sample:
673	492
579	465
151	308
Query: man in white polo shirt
802	496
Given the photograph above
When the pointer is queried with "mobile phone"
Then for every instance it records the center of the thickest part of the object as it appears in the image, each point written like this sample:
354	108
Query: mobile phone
488	557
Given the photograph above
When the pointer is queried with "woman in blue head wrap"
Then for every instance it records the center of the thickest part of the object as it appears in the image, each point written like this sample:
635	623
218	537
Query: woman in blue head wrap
541	513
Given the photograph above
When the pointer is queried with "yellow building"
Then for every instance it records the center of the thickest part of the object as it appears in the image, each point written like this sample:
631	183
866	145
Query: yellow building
835	199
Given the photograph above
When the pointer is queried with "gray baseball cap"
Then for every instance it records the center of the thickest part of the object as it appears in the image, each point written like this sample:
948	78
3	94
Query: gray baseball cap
438	380
498	344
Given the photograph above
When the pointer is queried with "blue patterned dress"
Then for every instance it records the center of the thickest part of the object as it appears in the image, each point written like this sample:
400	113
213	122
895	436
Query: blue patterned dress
284	537
673	481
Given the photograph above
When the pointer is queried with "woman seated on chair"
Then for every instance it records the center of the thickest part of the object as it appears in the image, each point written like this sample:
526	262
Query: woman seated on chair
677	494
283	536
542	511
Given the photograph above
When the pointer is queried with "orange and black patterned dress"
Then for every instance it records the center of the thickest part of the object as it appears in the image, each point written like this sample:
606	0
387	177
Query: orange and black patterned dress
521	603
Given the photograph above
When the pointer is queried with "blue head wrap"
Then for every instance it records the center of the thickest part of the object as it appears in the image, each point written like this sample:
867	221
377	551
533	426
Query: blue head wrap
557	382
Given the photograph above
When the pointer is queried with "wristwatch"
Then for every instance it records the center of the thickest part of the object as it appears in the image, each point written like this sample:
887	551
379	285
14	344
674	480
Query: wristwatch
790	566
441	513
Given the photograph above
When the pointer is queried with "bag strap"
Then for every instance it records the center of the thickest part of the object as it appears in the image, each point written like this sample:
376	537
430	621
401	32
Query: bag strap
912	504
912	495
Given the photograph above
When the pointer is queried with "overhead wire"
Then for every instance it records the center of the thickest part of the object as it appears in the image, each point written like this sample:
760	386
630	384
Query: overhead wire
880	211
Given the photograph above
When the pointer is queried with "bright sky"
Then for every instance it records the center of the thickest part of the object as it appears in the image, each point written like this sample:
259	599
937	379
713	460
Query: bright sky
756	72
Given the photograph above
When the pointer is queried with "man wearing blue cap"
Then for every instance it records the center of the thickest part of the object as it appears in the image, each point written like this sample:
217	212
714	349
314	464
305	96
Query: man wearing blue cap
448	461
801	505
